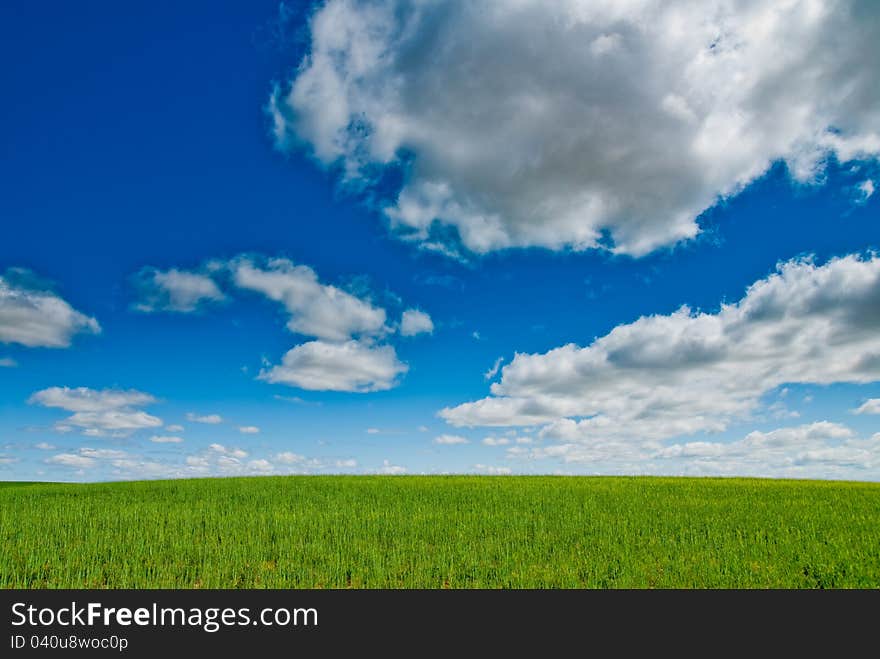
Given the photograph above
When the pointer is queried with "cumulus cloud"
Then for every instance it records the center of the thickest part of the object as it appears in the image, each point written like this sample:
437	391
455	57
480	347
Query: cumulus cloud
351	366
496	441
175	290
210	419
870	406
35	317
687	372
604	124
450	440
248	430
174	427
415	322
99	412
317	310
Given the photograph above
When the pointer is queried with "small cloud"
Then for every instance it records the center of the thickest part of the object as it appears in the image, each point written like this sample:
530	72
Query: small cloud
492	470
174	428
391	469
260	466
211	419
492	372
870	406
415	322
8	362
423	428
373	431
166	439
174	290
71	460
865	191
248	430
476	335
450	440
496	441
289	458
350	463
231	452
45	446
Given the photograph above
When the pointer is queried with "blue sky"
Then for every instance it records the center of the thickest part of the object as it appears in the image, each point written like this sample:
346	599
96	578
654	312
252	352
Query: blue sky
228	209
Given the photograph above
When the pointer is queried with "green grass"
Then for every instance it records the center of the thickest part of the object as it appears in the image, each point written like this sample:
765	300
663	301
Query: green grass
437	532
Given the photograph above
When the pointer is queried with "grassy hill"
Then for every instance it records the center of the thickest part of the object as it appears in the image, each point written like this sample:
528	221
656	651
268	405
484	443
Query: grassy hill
441	532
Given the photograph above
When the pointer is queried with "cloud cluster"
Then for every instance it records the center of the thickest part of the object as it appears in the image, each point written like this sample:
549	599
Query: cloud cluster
215	460
816	450
345	355
99	412
668	375
601	124
349	350
36	317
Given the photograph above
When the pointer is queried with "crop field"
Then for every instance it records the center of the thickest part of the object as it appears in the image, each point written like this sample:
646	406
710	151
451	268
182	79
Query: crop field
441	532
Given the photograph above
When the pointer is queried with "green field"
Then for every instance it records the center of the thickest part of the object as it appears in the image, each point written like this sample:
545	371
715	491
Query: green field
441	532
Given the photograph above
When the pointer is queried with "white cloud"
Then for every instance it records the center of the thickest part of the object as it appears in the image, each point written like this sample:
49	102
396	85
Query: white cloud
492	470
210	419
72	460
174	428
166	439
99	412
318	310
689	372
307	465
450	440
415	322
83	399
496	441
230	452
373	431
602	120
260	466
351	366
45	446
492	372
817	450
391	469
8	362
38	318
870	406
117	423
249	430
175	290
866	190
288	457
